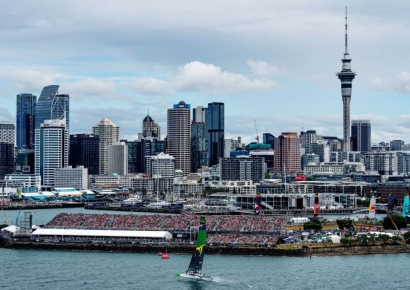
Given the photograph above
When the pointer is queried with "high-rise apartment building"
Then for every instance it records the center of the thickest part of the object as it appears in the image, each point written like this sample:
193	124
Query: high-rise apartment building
84	151
322	149
150	128
108	133
7	159
7	132
346	77
51	149
361	135
397	145
242	168
161	166
199	114
25	110
179	136
287	154
216	129
268	138
307	138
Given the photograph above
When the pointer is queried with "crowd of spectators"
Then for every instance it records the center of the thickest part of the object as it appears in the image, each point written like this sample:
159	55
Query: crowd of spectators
232	230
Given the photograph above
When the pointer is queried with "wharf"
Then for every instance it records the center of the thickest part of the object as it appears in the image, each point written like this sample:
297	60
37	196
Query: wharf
138	209
25	206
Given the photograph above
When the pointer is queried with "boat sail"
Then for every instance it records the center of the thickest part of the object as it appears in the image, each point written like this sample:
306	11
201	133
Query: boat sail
372	207
194	270
405	211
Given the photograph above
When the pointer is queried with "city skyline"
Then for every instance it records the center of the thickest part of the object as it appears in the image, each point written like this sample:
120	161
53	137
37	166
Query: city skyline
269	61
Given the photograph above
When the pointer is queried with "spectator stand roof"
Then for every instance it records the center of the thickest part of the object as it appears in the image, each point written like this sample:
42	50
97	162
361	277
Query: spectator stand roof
103	233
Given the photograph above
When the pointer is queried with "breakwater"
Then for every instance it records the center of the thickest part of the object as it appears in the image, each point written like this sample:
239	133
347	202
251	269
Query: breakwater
212	250
24	206
136	209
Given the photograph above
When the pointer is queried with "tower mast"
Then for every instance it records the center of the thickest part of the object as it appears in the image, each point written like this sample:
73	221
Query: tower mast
346	77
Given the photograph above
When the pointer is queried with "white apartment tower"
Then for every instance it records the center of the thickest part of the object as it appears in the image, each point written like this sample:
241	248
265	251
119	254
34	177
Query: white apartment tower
51	149
108	133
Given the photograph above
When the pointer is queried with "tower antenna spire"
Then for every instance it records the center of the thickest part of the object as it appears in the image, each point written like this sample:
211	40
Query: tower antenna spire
346	51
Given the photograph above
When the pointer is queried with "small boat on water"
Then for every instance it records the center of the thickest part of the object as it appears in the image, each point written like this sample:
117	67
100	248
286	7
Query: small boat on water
194	270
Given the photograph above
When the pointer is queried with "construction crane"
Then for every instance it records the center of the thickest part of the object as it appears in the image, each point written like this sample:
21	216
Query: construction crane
17	218
256	129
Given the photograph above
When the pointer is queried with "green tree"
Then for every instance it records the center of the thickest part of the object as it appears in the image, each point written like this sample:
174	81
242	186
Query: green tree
313	225
383	238
406	237
397	240
398	220
267	175
345	223
345	241
362	240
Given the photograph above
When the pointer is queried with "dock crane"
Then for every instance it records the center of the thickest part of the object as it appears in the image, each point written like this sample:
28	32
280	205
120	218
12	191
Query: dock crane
256	129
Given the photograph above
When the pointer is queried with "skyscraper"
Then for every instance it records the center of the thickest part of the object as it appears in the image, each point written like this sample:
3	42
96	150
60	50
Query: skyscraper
216	127
361	135
346	77
84	151
52	106
108	133
25	109
51	149
199	134
118	158
149	127
179	136
199	114
7	132
268	138
287	154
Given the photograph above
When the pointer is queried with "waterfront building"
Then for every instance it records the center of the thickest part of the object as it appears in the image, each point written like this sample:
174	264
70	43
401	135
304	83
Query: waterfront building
287	154
69	177
333	167
108	133
216	128
307	138
179	136
111	181
84	151
242	168
143	183
361	135
25	110
199	152
27	182
268	138
397	145
150	128
233	186
384	162
118	158
346	77
51	149
25	161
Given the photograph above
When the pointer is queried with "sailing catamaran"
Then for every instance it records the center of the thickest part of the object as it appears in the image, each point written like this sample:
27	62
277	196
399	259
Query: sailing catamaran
194	270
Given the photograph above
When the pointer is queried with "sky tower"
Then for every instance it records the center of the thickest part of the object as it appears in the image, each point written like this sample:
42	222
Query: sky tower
346	77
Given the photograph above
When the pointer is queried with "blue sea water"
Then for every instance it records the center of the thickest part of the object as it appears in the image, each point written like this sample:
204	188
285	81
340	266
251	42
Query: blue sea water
32	269
23	269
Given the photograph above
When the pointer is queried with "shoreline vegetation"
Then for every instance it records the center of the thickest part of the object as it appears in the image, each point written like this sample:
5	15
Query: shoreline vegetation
285	250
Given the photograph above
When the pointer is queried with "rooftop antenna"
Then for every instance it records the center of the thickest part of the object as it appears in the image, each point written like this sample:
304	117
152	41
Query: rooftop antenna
346	51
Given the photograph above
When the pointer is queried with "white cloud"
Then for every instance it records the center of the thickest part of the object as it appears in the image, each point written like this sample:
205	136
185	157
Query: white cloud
28	80
378	84
262	68
88	87
151	86
403	82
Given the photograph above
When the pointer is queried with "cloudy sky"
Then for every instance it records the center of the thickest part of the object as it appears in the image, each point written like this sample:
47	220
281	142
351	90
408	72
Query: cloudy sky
273	61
